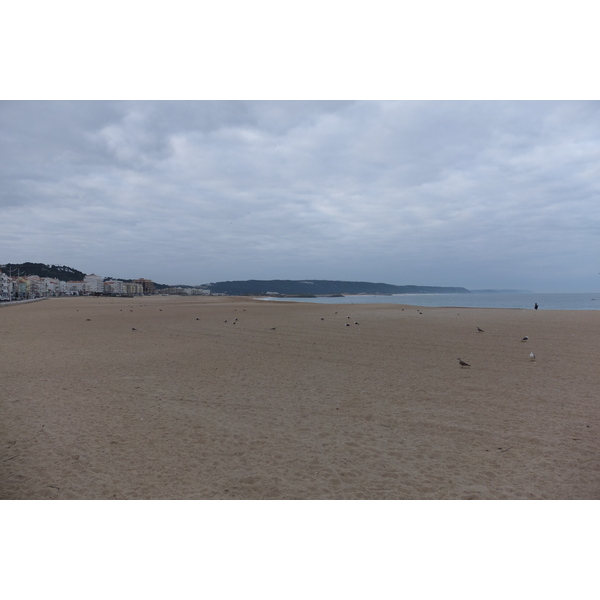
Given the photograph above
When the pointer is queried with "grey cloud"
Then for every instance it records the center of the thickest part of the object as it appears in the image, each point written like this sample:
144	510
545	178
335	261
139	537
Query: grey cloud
456	193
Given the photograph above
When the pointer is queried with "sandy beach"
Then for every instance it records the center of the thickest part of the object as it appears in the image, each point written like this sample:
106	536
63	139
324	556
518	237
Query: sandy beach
236	398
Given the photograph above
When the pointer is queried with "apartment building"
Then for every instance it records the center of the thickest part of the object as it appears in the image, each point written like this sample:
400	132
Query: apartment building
133	289
5	287
147	284
114	286
94	284
75	288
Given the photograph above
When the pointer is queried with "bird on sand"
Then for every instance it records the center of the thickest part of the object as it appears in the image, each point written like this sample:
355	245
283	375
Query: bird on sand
532	356
462	363
525	338
479	329
133	329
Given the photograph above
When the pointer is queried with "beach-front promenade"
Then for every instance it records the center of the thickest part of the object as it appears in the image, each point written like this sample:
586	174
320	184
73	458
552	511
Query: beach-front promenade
218	398
19	302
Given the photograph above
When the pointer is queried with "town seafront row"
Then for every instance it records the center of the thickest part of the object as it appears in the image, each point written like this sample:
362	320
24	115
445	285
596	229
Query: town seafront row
28	287
235	398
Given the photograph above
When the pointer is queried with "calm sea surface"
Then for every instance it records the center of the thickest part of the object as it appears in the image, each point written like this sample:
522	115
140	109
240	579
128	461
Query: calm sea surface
580	301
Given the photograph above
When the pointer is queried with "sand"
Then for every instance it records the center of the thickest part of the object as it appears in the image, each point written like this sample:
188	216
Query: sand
236	398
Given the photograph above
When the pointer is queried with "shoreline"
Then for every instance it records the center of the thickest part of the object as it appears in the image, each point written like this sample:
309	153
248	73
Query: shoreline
522	301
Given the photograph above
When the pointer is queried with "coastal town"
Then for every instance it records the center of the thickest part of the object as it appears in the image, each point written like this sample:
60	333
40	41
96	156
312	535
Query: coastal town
17	287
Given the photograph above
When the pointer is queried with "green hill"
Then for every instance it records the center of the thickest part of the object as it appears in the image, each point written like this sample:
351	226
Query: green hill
323	287
62	273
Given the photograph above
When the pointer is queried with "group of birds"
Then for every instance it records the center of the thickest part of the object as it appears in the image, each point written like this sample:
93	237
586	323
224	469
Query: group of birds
462	363
347	324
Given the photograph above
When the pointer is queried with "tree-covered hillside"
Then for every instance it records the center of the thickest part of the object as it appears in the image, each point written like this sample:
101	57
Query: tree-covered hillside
62	273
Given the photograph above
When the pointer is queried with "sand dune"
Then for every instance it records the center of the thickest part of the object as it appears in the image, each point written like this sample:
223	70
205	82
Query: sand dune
219	398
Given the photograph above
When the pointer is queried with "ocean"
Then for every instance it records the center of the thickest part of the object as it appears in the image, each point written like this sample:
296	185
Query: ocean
572	301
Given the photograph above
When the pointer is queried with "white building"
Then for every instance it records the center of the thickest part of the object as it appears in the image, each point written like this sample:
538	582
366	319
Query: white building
42	287
133	289
93	284
52	286
114	286
47	286
5	287
34	285
75	287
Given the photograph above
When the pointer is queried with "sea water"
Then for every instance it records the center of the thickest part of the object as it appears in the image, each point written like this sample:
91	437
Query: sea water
546	301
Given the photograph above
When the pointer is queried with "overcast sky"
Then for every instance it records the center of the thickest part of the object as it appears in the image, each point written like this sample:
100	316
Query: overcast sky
477	194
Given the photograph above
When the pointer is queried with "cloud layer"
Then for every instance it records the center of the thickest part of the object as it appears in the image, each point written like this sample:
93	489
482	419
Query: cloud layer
474	194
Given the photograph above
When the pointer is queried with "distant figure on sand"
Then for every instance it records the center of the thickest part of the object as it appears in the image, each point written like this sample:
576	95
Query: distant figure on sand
535	306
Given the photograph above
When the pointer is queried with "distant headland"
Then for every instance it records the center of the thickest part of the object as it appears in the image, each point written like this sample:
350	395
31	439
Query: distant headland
322	287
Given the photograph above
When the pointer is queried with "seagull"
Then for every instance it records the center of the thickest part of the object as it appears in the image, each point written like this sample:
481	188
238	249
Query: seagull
133	329
356	322
347	324
479	329
532	356
462	363
525	338
322	318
